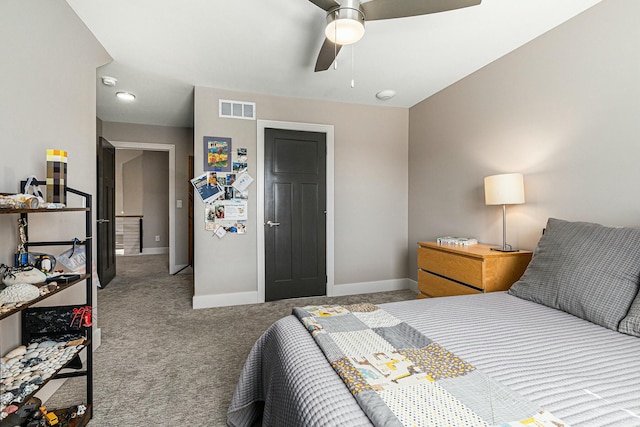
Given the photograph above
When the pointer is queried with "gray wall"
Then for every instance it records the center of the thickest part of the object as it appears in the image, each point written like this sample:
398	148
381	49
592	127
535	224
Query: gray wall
564	110
49	62
125	207
370	175
155	196
182	138
131	184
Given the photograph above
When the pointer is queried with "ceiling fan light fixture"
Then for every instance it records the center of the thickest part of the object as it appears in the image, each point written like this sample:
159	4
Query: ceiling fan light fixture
345	26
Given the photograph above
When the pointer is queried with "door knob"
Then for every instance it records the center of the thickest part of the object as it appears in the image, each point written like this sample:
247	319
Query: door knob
101	221
273	224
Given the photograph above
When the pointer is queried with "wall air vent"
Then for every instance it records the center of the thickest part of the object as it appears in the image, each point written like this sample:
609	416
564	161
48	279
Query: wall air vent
237	109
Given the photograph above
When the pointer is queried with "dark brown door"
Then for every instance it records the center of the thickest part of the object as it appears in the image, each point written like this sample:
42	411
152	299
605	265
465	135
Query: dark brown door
190	213
295	214
106	211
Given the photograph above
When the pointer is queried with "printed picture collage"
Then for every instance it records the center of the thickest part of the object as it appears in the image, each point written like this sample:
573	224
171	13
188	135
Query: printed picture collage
223	186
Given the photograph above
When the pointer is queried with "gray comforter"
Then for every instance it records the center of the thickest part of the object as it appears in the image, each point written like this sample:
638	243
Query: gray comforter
583	373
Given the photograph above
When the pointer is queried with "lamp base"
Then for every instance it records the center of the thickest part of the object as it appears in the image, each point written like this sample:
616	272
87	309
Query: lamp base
507	249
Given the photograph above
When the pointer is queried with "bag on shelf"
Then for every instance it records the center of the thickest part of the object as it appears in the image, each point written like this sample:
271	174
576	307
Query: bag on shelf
74	259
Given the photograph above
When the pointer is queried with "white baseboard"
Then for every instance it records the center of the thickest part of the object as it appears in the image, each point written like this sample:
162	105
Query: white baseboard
369	287
147	251
155	251
242	298
413	285
223	300
183	269
97	339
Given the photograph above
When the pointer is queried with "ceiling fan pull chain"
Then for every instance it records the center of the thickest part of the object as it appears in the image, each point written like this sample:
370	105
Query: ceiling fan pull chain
335	45
353	61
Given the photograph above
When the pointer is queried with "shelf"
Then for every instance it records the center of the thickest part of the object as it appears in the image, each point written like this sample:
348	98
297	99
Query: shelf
54	374
74	422
5	311
61	287
41	210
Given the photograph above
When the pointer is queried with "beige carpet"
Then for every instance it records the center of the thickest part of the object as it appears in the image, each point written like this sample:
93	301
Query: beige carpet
161	363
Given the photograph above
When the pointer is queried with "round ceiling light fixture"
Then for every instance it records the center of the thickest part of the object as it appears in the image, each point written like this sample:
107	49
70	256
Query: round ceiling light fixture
126	96
385	95
345	24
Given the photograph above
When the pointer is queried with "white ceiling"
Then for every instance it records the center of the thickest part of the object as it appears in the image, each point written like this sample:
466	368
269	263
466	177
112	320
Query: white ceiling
163	48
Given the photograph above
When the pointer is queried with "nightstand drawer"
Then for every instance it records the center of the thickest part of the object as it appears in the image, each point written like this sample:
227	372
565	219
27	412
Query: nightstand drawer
445	270
459	268
435	286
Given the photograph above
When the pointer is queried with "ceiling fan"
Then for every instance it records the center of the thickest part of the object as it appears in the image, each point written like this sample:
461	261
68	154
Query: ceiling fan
345	19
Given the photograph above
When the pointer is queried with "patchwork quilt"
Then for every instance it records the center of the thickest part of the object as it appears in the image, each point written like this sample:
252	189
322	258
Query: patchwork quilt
400	377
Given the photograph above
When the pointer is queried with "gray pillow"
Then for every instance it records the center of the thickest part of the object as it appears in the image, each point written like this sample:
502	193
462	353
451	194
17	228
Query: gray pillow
631	323
585	269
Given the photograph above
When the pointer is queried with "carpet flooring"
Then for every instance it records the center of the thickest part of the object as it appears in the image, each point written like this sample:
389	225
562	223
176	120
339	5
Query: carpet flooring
160	362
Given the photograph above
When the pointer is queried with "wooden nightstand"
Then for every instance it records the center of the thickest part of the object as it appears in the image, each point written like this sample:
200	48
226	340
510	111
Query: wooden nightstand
446	270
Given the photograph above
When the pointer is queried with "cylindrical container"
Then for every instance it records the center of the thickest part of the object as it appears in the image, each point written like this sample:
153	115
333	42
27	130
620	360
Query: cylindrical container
21	259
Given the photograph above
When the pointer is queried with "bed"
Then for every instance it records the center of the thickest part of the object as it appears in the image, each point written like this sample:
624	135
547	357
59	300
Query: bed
566	338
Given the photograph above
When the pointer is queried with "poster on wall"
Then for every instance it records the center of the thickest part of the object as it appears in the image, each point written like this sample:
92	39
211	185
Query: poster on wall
239	166
207	191
231	210
217	154
231	215
227	177
242	181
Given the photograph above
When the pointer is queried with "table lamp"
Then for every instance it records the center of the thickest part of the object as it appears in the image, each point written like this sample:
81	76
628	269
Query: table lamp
505	189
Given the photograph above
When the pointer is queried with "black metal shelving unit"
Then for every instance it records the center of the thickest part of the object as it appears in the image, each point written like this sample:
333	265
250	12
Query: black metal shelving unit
87	278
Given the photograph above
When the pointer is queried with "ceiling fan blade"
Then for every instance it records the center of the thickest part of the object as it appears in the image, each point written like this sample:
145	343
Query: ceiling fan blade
327	55
325	4
388	9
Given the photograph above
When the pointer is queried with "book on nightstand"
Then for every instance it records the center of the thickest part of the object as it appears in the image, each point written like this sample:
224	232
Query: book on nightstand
461	241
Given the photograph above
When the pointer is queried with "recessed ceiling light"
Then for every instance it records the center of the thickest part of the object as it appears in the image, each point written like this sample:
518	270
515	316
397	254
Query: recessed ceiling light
126	96
384	95
109	81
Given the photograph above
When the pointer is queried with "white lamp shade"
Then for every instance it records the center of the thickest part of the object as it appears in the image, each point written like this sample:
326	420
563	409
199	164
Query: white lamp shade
505	189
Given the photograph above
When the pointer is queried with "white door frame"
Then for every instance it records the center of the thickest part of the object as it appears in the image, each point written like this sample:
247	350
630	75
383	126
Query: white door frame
171	148
306	127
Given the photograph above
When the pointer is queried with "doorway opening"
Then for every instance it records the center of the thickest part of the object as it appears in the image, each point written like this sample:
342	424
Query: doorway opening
170	203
